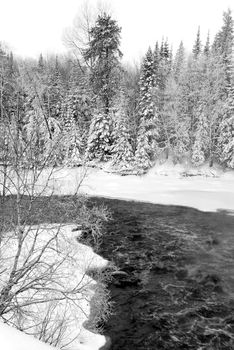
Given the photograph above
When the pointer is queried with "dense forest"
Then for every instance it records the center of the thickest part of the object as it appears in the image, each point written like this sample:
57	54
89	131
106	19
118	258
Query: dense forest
87	107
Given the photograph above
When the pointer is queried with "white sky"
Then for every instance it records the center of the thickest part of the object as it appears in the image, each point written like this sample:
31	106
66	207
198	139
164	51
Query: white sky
34	26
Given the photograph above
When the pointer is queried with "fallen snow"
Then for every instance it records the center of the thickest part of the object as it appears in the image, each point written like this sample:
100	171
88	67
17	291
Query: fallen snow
12	339
204	193
73	260
207	189
210	190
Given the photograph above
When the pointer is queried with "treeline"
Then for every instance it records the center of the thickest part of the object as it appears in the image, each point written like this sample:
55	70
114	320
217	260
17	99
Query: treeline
89	107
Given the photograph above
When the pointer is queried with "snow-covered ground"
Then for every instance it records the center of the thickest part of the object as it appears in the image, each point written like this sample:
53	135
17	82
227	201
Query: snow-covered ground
12	339
209	190
204	193
70	260
204	188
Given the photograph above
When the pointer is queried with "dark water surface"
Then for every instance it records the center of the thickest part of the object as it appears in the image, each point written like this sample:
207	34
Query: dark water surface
176	289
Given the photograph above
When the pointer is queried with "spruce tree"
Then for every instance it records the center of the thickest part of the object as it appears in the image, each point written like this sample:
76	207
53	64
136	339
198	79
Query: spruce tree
73	146
207	45
122	149
104	51
105	54
223	49
148	127
179	62
156	55
197	48
41	64
223	44
54	92
100	138
226	138
201	145
224	38
164	68
175	126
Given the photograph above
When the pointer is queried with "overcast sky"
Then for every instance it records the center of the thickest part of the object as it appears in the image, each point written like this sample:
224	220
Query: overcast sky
34	26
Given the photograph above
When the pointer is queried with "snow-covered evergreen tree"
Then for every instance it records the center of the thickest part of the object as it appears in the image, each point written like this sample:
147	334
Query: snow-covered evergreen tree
148	126
206	50
174	121
100	138
201	145
165	61
156	55
54	93
122	149
223	45
197	48
179	62
226	137
72	142
104	51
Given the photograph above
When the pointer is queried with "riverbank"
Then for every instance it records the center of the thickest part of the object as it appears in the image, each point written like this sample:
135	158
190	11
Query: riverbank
56	296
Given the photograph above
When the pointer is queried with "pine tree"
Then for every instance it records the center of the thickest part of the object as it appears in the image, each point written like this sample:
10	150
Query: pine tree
175	126
164	68
41	64
73	146
179	62
156	55
223	50
224	38
54	92
78	107
12	112
201	145
104	51
100	138
197	48
143	152
207	46
223	44
148	128
226	138
122	150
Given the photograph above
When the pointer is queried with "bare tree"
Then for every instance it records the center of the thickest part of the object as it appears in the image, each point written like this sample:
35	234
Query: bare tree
77	37
44	288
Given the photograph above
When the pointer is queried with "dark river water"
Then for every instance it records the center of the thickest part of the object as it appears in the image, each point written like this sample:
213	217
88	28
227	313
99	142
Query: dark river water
176	286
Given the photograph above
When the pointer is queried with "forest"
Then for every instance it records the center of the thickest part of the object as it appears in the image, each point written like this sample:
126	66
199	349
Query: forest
164	274
88	107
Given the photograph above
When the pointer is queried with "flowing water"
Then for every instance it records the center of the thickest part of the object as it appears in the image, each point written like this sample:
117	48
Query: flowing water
176	285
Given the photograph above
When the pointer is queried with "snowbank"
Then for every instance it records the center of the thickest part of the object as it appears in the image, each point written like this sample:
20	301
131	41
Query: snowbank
12	339
71	261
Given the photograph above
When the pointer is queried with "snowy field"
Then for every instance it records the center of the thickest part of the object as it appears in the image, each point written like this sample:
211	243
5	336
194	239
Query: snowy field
207	190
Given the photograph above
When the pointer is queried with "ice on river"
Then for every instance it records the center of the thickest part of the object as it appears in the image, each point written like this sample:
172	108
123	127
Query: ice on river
209	192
